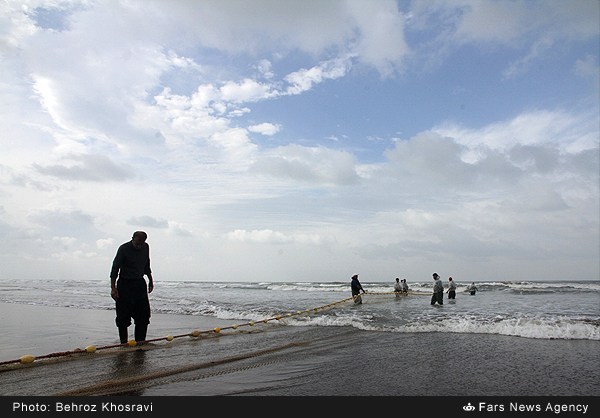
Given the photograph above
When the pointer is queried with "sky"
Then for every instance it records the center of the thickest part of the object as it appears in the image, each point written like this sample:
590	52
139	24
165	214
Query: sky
301	141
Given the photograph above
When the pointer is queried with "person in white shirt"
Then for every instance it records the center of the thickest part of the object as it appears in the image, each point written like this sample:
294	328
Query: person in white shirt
451	289
438	290
397	287
472	288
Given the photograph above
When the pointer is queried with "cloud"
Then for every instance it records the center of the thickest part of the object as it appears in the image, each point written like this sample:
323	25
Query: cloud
313	165
246	90
198	116
88	168
148	221
64	242
529	26
487	21
56	221
315	28
267	236
104	243
506	22
568	132
268	129
381	42
538	49
304	79
180	230
13	177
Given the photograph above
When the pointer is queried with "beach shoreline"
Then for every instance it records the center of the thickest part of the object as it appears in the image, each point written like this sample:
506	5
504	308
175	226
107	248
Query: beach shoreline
40	330
279	360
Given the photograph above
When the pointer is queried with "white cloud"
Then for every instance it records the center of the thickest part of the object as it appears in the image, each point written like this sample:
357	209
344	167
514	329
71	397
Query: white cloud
104	243
237	147
180	229
190	117
265	128
65	242
148	221
267	236
318	165
568	132
245	91
304	79
381	43
264	67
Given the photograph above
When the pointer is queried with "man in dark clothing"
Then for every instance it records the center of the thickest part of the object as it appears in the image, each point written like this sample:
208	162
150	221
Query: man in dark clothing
356	287
130	265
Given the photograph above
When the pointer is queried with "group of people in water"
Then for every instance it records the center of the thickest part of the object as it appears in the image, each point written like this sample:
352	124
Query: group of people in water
438	290
401	287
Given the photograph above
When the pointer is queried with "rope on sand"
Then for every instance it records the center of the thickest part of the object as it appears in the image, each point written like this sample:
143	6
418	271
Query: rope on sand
28	358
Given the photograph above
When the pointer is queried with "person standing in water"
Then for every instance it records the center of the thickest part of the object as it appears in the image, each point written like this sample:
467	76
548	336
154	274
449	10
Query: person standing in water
438	290
451	288
129	292
472	289
397	287
356	288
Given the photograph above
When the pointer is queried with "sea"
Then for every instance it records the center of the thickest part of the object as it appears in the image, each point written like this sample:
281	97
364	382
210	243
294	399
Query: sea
512	338
564	310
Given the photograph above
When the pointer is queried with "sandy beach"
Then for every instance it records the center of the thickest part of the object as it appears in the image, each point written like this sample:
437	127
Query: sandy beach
38	330
279	360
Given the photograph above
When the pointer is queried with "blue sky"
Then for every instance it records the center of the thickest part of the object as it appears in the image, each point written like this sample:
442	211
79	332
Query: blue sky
301	141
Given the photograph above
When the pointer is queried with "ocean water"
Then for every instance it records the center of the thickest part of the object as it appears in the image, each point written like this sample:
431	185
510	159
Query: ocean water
510	339
568	310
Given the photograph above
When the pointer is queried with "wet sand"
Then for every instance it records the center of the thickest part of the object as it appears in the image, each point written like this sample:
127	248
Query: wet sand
278	360
39	330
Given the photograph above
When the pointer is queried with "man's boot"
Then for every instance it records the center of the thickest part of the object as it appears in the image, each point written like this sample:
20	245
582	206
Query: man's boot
140	332
123	334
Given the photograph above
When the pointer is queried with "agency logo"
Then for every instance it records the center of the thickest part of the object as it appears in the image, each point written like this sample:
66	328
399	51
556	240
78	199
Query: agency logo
468	407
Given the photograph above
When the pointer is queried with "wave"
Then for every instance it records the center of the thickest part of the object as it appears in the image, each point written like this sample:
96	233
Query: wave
527	326
530	309
556	328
